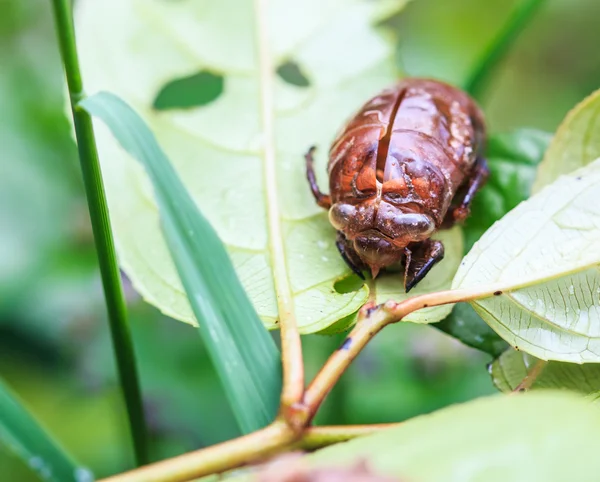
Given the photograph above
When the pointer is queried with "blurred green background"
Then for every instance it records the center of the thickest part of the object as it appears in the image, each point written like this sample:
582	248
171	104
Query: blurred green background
54	347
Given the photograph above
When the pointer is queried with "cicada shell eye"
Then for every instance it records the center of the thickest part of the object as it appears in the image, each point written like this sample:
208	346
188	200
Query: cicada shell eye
352	219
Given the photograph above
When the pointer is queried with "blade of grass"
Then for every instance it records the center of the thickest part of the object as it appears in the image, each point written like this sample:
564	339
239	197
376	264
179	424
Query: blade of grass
24	436
242	350
109	270
500	45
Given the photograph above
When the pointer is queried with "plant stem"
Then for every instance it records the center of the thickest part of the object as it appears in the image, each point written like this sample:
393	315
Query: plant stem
500	45
291	347
531	376
318	437
215	459
289	432
111	280
244	450
366	328
333	412
372	320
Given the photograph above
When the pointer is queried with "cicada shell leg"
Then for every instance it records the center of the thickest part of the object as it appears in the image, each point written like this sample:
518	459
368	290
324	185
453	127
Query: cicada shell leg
460	211
419	259
323	200
349	255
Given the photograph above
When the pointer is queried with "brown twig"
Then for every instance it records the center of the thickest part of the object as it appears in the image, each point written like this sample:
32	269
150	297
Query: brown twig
531	377
371	320
244	450
215	459
286	433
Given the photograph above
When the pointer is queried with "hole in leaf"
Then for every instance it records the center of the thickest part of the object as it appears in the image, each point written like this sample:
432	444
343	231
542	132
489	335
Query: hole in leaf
193	91
348	284
290	72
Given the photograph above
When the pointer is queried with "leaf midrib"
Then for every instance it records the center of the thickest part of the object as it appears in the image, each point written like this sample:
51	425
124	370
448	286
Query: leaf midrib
276	248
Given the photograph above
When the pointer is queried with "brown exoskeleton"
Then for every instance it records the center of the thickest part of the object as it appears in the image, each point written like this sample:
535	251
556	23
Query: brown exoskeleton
407	164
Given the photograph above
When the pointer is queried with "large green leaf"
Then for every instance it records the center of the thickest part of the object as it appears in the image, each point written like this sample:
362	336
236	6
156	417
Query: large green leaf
512	367
576	143
494	439
270	224
543	259
22	434
242	350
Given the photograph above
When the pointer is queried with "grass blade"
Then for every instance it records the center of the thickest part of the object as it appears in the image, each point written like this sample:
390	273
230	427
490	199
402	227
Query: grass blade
242	350
500	45
22	434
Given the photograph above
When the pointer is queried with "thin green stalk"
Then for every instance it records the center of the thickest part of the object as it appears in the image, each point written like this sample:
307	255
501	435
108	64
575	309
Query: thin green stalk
109	270
499	46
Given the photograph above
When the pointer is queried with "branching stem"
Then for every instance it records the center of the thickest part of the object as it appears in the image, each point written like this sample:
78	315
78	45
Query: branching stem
293	431
371	320
215	459
531	377
249	448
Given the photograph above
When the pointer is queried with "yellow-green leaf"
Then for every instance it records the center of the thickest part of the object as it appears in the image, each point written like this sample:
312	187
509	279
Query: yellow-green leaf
259	204
280	242
511	368
544	258
576	143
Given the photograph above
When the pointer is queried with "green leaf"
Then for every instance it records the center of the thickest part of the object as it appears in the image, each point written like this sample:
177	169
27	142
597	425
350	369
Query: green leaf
576	143
22	434
512	158
269	224
468	327
492	439
510	368
542	259
243	352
